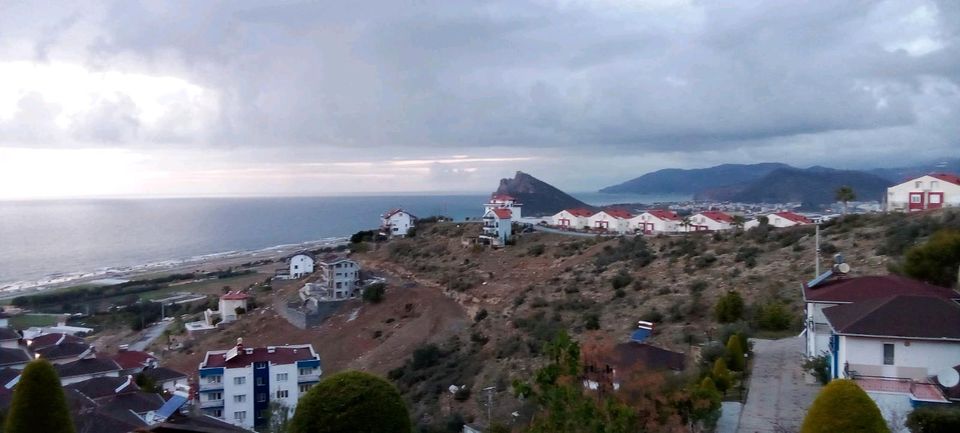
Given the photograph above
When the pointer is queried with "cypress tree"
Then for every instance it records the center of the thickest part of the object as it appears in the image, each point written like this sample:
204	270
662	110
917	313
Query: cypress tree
735	358
721	375
351	401
39	404
842	406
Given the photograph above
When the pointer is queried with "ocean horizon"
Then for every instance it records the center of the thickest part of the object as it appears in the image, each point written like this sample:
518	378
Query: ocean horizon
52	241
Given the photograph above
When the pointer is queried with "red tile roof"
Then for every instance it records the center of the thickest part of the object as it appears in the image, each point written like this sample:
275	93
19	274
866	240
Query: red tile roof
917	390
47	340
717	216
396	211
618	213
947	177
580	212
898	316
281	355
633	354
797	218
234	296
129	359
502	213
842	290
667	215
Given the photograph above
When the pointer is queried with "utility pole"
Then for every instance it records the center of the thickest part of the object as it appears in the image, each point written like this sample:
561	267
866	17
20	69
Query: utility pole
489	390
817	265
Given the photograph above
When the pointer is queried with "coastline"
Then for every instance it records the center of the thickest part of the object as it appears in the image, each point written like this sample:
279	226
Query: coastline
204	262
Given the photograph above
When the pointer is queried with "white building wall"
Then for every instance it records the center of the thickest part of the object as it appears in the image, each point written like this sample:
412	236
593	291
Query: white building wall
228	308
400	223
709	223
231	390
898	196
300	265
659	225
818	330
575	222
171	385
614	224
515	211
780	222
289	385
913	359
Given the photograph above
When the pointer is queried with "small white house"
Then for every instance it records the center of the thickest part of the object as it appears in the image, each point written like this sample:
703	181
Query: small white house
575	219
503	201
780	220
710	221
932	191
301	265
610	220
655	221
397	222
230	302
497	227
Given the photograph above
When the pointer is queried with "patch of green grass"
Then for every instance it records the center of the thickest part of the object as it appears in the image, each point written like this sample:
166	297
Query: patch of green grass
25	321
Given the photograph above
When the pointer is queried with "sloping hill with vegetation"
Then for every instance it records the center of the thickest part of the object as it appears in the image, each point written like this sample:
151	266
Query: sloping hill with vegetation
675	180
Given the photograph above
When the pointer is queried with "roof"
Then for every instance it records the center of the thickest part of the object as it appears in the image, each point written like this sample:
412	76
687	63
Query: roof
928	318
86	366
618	213
664	214
99	387
841	290
396	211
62	350
234	296
280	355
795	217
579	212
139	402
634	354
51	339
129	359
196	423
502	213
502	197
10	356
717	216
8	334
163	374
947	177
918	390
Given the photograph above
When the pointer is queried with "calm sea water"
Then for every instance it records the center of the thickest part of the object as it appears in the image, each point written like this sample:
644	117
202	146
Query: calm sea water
43	238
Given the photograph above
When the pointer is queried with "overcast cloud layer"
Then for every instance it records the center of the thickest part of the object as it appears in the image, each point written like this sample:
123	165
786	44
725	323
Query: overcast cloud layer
253	97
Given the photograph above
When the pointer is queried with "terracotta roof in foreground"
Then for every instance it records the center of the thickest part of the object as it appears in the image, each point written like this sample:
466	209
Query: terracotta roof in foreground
922	317
854	289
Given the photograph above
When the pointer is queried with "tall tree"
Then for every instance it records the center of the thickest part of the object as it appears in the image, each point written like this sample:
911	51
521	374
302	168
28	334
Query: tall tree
842	406
845	194
38	402
351	401
735	351
739	221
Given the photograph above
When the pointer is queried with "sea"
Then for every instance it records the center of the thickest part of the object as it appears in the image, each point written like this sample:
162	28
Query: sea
53	242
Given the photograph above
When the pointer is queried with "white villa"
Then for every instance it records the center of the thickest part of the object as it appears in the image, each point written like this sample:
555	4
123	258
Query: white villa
710	221
301	265
238	385
227	310
932	191
610	220
572	218
339	280
780	220
397	222
503	201
656	221
497	226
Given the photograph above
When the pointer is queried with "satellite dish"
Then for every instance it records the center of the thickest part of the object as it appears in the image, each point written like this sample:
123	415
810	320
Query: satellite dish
843	268
838	258
948	378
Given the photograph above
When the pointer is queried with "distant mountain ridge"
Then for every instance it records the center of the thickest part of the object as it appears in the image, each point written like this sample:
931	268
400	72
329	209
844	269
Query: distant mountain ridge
537	196
675	180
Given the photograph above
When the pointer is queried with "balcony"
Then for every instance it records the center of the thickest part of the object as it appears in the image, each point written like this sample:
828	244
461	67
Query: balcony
205	404
211	386
308	378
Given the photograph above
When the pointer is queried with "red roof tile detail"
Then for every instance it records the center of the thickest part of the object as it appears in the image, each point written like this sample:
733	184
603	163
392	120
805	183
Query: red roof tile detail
666	215
129	359
841	290
47	340
580	212
280	355
502	213
947	177
618	213
717	216
234	296
797	218
917	390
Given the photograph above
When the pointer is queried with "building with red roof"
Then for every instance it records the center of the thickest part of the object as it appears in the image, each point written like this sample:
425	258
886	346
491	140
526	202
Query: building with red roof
610	220
780	220
497	226
504	201
575	219
710	220
656	221
931	191
132	361
397	223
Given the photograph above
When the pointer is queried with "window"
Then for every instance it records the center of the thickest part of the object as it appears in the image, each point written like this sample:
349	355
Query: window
935	198
282	393
305	388
214	396
260	364
888	354
296	266
239	398
306	371
262	397
239	380
217	413
915	198
214	379
281	377
240	415
259	381
918	184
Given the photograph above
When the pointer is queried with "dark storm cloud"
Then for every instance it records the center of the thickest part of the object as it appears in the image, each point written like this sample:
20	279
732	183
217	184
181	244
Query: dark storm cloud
622	75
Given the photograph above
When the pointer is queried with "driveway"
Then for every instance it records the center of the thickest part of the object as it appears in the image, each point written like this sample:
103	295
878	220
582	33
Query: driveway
779	395
150	334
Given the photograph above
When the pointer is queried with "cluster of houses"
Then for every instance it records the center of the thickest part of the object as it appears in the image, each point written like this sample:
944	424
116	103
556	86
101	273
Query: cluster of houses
657	221
898	338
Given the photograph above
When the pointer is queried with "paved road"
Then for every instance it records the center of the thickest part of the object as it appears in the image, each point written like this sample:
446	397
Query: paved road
729	417
779	395
150	334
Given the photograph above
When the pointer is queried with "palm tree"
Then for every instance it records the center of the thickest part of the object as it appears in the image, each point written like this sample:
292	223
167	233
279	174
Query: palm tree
845	194
685	223
739	221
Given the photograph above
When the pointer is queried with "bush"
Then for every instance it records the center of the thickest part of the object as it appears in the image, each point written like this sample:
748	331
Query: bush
426	356
634	250
937	260
38	403
819	367
482	314
774	317
735	352
621	280
536	250
592	321
721	375
842	406
374	293
926	419
729	307
362	236
344	403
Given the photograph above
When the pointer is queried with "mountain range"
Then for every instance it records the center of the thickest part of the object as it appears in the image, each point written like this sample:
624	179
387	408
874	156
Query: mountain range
775	182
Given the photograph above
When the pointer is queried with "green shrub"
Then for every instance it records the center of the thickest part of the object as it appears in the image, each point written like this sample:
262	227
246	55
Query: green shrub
482	314
819	367
621	280
344	403
735	358
721	375
842	406
536	250
38	403
729	307
774	317
374	293
925	419
937	260
591	321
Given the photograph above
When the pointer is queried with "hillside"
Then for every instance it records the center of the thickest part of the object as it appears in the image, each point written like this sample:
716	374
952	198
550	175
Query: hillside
537	196
675	180
813	187
899	174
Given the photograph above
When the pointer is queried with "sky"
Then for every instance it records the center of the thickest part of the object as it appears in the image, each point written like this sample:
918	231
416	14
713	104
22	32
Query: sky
204	98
